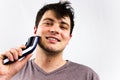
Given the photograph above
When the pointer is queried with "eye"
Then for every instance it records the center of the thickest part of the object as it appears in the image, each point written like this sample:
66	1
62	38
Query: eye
64	27
48	23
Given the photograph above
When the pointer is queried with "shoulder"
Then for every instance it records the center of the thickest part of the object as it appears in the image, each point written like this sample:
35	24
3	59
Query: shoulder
79	66
83	70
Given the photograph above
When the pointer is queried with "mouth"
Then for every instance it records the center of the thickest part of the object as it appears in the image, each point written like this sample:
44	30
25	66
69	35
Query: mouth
51	38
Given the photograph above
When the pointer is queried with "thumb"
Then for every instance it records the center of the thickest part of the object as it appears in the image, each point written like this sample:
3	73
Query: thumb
19	64
24	60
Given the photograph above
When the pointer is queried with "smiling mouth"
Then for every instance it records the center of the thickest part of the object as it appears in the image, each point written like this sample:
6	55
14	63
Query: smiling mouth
53	39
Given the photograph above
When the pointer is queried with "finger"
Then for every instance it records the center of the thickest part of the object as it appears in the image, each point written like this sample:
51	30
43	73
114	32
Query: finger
8	55
21	63
18	65
15	53
24	60
19	50
22	46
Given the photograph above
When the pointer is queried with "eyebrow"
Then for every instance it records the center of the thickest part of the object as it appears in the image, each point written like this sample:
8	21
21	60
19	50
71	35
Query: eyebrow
62	22
48	19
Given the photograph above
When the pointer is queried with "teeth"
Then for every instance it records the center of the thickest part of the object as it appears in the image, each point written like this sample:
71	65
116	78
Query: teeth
51	38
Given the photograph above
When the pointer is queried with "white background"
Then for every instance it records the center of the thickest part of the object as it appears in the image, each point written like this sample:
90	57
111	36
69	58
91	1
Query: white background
96	36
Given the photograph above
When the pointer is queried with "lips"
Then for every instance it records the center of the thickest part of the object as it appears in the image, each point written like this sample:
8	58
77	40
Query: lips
51	38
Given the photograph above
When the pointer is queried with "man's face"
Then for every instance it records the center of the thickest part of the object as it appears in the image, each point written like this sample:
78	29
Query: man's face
54	32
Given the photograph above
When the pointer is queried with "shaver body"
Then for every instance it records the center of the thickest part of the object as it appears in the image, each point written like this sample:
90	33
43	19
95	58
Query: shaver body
30	47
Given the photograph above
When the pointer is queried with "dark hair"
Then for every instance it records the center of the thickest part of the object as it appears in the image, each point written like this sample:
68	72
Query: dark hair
61	9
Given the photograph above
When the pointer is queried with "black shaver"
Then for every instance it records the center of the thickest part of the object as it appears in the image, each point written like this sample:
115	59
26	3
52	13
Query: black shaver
30	47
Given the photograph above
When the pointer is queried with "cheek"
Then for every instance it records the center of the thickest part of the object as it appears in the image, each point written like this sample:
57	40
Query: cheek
41	31
37	31
66	36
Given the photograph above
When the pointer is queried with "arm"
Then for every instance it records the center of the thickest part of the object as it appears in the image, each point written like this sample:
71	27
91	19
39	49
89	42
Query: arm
8	71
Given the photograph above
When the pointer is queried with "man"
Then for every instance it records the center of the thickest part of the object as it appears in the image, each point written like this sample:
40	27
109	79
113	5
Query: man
54	24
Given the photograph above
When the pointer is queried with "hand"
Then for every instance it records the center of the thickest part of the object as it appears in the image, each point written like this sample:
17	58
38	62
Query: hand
9	70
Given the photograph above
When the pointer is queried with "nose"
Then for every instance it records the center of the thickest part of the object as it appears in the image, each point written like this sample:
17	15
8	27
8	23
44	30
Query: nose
54	29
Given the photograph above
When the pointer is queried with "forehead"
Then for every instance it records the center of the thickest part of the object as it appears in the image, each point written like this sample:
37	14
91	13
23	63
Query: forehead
51	14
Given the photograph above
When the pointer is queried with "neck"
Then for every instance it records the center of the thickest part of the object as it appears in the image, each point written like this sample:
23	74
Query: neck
49	62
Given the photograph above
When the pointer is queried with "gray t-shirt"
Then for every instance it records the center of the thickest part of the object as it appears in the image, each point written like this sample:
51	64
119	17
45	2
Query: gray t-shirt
70	71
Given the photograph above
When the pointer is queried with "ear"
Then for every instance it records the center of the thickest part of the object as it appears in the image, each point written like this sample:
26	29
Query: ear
35	30
70	36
